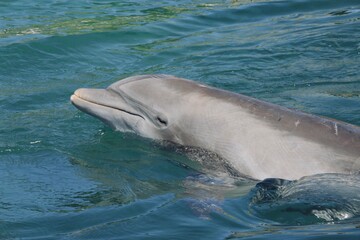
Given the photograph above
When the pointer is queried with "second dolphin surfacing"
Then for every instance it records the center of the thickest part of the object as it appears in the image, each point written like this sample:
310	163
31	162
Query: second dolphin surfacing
259	139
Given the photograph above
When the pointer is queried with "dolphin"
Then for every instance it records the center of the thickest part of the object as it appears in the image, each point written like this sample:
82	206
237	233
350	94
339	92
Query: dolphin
258	139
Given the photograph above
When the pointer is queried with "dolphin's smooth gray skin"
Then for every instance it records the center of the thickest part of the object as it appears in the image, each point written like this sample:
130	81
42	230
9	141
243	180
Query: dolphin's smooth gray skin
259	139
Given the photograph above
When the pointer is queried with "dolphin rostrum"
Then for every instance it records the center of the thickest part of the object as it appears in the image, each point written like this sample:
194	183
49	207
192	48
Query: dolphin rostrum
257	138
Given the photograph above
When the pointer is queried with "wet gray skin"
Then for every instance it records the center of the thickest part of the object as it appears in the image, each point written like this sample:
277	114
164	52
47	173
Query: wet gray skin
258	139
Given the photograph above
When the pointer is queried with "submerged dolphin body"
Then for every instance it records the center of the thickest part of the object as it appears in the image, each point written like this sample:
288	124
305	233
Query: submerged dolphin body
259	139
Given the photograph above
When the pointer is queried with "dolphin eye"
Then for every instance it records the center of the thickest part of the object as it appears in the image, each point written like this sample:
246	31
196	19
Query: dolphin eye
161	120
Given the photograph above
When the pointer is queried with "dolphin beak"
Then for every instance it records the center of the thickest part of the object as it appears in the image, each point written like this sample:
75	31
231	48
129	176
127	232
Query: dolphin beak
101	97
96	96
86	99
103	104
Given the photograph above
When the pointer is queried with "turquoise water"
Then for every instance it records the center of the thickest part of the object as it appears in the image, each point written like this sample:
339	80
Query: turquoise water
64	175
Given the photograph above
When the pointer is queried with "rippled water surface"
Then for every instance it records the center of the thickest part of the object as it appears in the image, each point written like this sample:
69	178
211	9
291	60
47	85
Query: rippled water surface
64	175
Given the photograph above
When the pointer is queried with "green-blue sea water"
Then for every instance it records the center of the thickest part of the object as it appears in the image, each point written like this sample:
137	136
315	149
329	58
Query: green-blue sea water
64	175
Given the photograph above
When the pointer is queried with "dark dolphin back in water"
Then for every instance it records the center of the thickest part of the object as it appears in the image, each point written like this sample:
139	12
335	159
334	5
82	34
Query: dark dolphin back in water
313	199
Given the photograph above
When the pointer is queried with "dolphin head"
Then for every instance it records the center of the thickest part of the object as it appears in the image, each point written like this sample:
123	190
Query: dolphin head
148	105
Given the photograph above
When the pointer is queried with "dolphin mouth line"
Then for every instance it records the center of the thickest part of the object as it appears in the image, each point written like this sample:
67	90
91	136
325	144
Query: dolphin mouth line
103	105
